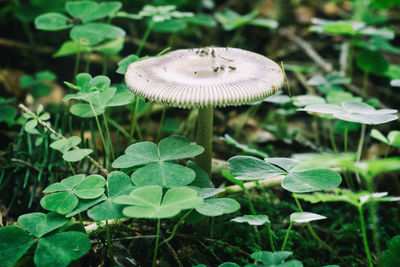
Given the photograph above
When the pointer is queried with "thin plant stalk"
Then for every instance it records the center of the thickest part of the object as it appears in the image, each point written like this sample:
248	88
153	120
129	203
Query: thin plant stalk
145	36
108	236
176	227
100	132
105	120
156	245
364	236
271	241
71	167
332	137
361	142
372	214
287	236
387	151
134	118
317	238
346	131
365	84
118	127
161	122
77	61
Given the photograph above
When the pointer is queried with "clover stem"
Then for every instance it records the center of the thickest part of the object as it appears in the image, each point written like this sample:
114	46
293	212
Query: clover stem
346	130
361	142
271	241
204	138
316	237
161	122
372	214
387	151
71	167
156	245
365	84
332	137
134	118
287	236
108	239
77	61
100	132
145	36
105	120
176	227
364	236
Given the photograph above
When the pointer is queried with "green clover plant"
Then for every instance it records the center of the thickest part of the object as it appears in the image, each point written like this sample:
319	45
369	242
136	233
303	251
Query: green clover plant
7	112
154	162
66	147
84	31
65	196
37	83
56	241
359	200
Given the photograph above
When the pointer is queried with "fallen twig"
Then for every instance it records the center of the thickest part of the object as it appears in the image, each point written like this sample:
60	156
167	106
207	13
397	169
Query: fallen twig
310	51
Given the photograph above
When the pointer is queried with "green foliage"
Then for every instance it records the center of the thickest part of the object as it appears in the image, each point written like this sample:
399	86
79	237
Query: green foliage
98	93
37	84
231	20
390	256
305	217
158	169
357	199
372	62
392	139
118	184
346	27
7	112
65	195
149	202
252	219
268	258
246	149
66	145
354	112
53	247
250	168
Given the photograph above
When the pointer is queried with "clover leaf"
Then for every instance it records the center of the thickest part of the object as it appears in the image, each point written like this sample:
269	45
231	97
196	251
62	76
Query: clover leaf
158	169
305	217
39	224
357	199
348	27
149	202
252	219
84	30
392	139
65	195
37	83
7	112
118	184
53	247
299	181
66	145
231	20
268	258
354	112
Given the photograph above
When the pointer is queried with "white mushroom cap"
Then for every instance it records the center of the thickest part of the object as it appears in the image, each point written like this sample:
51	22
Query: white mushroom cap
205	77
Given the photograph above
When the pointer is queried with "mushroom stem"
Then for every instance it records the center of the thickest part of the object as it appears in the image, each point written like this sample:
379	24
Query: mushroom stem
204	138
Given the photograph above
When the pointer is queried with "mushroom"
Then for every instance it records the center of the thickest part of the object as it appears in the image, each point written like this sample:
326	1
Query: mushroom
205	78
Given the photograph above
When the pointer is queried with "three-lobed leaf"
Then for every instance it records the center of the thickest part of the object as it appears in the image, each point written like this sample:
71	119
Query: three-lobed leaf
148	202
